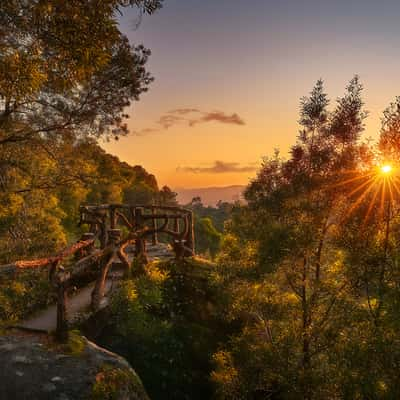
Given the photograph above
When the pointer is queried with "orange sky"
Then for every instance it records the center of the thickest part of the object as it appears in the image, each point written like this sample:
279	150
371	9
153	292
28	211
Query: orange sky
254	64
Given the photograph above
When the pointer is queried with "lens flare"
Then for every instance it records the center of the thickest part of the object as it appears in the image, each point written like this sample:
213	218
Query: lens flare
386	169
375	188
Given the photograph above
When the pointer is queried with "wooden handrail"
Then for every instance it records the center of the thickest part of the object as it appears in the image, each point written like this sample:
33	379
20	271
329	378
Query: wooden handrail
105	207
43	262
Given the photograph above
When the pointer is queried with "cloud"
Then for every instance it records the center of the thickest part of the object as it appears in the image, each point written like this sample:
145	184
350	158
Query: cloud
190	117
218	116
145	131
184	111
220	167
166	121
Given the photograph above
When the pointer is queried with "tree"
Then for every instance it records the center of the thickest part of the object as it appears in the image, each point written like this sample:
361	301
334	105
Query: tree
207	237
209	224
389	142
66	76
167	197
66	69
290	289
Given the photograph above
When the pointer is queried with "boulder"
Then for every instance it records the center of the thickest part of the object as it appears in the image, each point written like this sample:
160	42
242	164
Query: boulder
36	368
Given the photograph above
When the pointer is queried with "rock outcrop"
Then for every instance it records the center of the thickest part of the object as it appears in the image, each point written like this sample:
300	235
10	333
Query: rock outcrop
35	368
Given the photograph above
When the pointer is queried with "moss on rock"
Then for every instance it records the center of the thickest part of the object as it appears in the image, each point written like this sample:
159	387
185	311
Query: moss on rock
115	383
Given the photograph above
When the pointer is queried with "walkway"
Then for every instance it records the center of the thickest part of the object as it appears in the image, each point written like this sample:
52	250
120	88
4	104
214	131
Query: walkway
79	302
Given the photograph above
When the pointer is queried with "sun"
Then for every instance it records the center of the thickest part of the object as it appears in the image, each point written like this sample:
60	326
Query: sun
378	186
386	169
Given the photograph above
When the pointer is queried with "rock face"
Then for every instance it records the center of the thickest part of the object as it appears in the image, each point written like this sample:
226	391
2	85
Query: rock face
34	368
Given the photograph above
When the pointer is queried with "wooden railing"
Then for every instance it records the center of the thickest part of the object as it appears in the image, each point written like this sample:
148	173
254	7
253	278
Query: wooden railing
145	221
112	228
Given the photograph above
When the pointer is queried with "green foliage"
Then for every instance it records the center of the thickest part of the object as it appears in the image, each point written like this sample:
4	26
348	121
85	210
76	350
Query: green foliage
291	268
117	182
208	225
39	221
76	343
19	298
66	76
165	325
206	236
112	383
303	301
67	69
45	205
308	270
167	197
218	214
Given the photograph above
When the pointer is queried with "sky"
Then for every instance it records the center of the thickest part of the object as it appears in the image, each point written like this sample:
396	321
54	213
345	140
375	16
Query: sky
229	75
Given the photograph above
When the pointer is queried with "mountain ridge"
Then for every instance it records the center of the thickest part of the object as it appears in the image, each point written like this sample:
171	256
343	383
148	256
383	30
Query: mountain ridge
211	195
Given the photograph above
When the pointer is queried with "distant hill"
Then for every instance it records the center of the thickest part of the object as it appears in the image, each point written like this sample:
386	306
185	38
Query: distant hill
211	195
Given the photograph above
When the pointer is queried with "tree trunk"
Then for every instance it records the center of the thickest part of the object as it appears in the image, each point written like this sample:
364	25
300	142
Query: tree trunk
306	319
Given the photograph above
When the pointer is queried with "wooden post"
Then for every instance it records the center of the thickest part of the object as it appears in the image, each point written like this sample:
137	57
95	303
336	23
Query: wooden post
141	255
53	271
125	261
190	236
140	244
114	236
62	318
179	249
99	287
154	223
113	219
132	216
103	232
139	221
176	225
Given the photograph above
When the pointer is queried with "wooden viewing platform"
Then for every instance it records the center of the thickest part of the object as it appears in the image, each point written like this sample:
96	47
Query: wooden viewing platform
117	234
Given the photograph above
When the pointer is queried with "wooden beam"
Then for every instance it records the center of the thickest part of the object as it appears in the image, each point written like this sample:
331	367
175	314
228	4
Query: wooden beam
43	262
